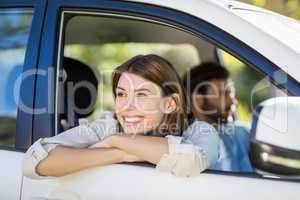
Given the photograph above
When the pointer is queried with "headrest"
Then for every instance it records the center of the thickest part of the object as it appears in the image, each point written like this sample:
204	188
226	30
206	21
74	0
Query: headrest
80	88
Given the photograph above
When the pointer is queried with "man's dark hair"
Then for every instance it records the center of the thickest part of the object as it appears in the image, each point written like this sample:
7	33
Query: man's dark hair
202	73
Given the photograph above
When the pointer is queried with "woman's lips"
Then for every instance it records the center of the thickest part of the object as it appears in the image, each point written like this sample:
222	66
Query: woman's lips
132	120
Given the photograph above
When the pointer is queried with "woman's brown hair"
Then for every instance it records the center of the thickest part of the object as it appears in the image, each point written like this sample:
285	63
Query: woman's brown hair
161	72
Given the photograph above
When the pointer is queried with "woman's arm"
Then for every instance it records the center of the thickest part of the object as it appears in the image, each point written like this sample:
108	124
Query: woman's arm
147	148
65	160
188	155
73	141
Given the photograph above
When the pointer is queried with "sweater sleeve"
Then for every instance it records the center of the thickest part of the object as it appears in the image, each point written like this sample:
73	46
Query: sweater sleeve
81	136
193	152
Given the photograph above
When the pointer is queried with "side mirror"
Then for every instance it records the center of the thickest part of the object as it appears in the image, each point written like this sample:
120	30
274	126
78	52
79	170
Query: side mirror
275	137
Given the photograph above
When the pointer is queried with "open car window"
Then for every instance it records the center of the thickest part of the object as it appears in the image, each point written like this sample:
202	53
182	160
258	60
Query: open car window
90	56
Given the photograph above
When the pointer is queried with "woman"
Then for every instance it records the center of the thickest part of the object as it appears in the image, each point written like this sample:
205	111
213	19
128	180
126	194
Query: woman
149	124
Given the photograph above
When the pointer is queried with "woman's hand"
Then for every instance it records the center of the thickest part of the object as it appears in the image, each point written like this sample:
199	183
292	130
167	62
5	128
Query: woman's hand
106	143
110	142
145	148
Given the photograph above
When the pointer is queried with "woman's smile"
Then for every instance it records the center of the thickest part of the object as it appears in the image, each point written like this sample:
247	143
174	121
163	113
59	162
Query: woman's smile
133	123
135	104
132	119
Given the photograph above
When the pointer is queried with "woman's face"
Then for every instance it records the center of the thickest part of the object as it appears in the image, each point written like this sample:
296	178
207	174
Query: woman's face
140	104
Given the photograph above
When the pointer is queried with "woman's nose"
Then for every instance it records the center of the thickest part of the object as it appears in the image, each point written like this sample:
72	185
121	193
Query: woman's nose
131	103
231	100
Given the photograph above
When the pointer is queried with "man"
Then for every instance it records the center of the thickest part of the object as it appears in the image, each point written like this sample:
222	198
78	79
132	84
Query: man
212	99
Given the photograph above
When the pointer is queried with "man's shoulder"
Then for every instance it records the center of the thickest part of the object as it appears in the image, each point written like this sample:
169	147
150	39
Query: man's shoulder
242	126
236	124
199	127
236	128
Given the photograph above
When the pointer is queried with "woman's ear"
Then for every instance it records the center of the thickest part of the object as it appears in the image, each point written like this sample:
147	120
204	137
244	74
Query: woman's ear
170	103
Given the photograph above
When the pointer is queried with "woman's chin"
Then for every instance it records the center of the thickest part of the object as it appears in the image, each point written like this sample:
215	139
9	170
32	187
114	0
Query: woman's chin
132	130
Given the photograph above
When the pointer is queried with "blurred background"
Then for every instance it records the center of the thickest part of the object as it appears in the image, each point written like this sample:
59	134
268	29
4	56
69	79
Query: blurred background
290	8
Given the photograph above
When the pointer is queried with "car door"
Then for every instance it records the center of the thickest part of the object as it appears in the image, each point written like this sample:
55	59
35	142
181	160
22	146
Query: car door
139	181
19	43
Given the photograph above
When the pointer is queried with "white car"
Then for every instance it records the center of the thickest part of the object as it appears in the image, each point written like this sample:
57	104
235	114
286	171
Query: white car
36	35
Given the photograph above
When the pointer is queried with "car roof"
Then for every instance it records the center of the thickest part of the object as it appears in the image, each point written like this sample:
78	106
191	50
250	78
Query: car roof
274	36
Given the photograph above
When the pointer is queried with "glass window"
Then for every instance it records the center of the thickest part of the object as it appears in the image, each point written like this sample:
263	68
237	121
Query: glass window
251	87
14	31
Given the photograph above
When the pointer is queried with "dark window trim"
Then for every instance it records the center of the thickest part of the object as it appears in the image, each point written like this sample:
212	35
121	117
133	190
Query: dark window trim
219	57
17	3
27	90
12	149
43	124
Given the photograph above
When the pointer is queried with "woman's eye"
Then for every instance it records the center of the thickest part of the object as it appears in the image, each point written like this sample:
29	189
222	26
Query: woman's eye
141	94
121	94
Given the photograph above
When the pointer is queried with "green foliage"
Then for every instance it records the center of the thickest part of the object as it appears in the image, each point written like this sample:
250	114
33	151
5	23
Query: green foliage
290	8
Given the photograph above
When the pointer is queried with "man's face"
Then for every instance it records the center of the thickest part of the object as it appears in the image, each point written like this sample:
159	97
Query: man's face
219	102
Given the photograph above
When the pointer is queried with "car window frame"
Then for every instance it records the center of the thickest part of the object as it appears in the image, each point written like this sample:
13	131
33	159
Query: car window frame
44	126
16	3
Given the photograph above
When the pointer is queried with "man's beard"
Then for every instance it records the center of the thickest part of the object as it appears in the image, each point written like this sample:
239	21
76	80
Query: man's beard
218	116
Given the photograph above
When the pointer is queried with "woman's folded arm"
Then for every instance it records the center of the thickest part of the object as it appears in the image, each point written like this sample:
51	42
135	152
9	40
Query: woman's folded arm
148	148
188	155
65	160
78	137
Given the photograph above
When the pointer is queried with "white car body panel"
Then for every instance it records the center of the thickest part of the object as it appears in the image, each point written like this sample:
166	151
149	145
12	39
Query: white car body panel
11	172
125	182
274	36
